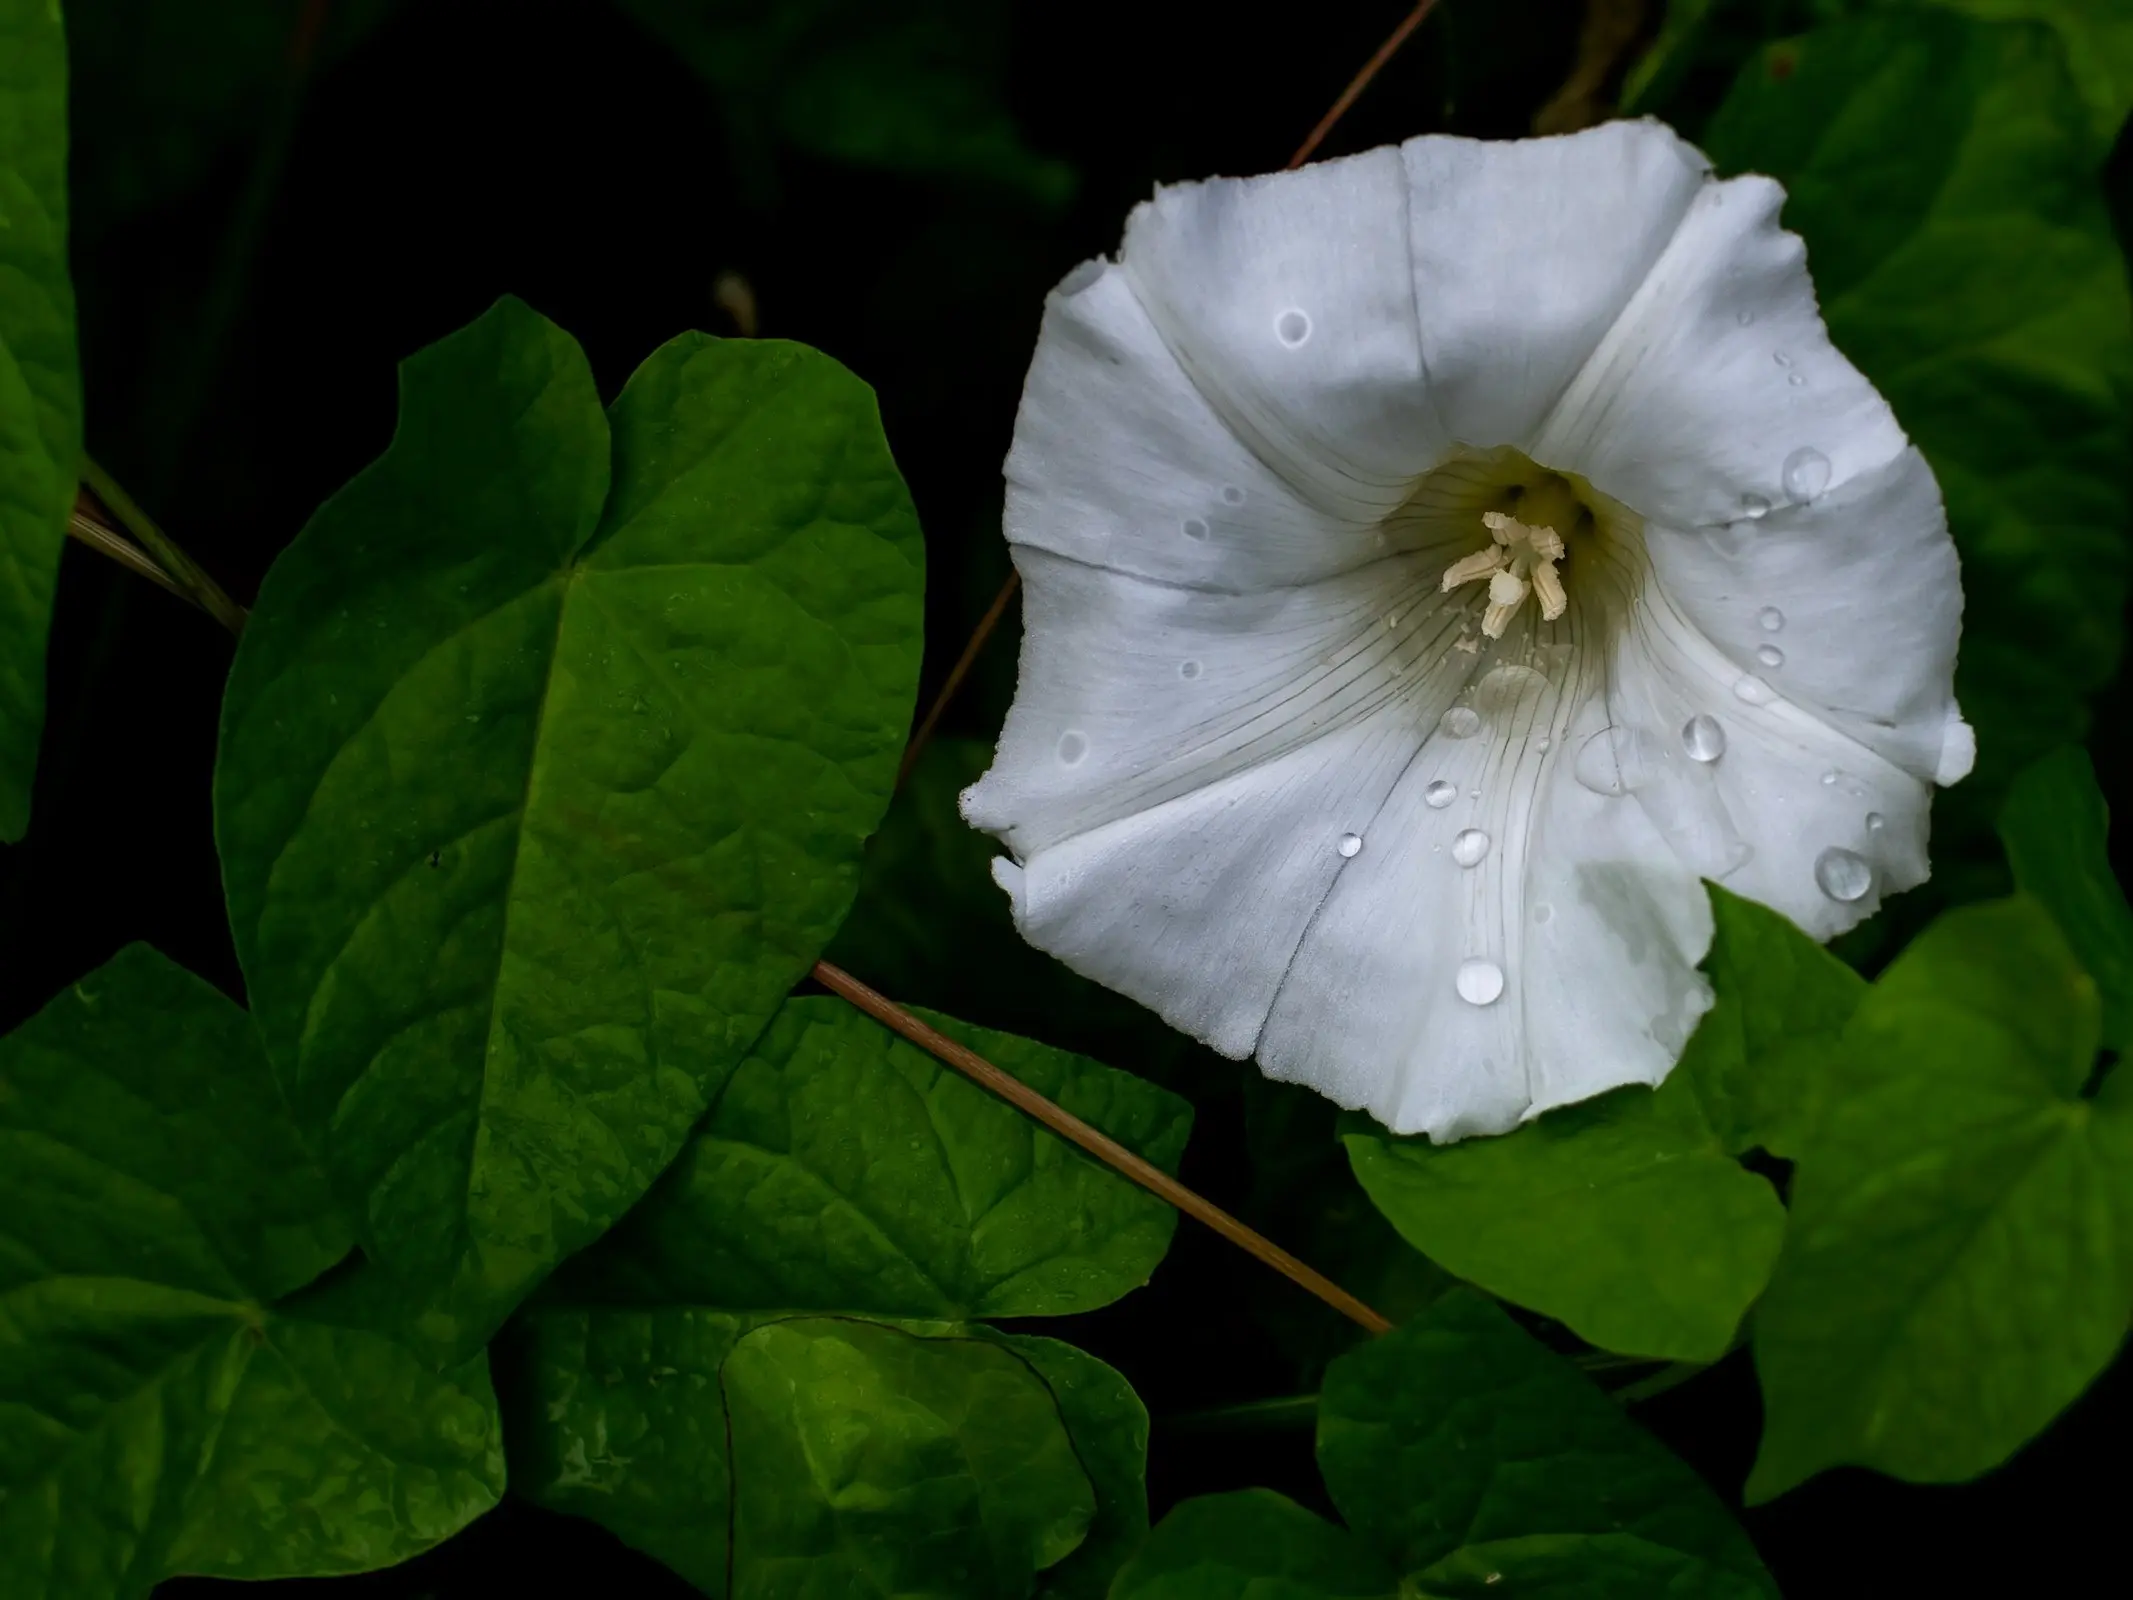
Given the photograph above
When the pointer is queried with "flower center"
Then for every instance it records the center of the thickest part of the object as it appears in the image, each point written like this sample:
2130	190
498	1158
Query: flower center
1521	558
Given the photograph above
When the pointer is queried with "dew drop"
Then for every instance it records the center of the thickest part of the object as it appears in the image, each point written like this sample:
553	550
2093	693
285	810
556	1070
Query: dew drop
1797	380
1806	473
1188	669
1195	528
1771	619
1744	318
1544	912
1829	777
1754	507
1615	761
1292	328
1440	794
1770	656
1843	875
1460	722
1874	822
1232	495
1703	738
1072	747
1751	690
1349	845
1479	982
1470	846
1781	358
1542	743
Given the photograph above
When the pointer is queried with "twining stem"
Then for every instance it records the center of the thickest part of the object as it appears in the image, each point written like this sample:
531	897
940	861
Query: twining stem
998	609
1106	1149
121	549
185	572
1299	1411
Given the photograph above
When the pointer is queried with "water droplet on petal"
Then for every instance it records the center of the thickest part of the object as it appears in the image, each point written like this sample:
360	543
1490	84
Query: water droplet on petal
1754	507
1797	380
1350	844
1479	982
1440	794
1292	328
1874	822
1188	669
1703	738
1232	495
1770	619
1751	690
1770	656
1805	474
1541	744
1195	528
1744	318
1460	722
1072	747
1616	761
1781	358
1470	846
1842	874
1544	912
1830	776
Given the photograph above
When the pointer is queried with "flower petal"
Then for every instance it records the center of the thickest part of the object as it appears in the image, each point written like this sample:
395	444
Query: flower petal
1718	384
1849	606
1525	253
1120	461
1290	300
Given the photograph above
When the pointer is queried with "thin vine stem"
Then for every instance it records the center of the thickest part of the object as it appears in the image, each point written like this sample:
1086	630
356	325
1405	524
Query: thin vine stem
988	623
109	542
1100	1145
187	573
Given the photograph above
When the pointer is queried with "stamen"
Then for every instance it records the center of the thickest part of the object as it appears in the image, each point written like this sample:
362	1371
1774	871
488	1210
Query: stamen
1518	561
1467	568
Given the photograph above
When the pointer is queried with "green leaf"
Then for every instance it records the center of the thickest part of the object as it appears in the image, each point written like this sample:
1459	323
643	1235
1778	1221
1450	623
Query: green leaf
2055	826
40	380
1253	1545
1943	174
907	86
1458	1431
1600	1566
1627	1217
845	1170
1959	1262
546	762
841	1455
159	1412
1109	1429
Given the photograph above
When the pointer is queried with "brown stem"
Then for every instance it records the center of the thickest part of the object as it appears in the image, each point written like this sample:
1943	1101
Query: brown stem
994	612
105	542
1107	1150
183	570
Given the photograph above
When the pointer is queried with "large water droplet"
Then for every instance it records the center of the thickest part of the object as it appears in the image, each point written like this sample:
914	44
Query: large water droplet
1292	328
1770	619
1470	846
1751	690
1770	656
1805	473
1617	761
1195	528
1072	747
1188	669
1460	722
1479	982
1754	507
1703	738
1440	794
1350	844
1875	822
1842	874
1232	495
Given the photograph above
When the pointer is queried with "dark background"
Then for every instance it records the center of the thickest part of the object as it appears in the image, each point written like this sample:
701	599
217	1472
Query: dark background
239	337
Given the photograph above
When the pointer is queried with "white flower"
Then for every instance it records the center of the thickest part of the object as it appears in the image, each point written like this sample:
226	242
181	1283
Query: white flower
1436	562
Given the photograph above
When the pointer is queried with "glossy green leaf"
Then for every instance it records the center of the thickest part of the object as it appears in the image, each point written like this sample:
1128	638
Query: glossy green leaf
1627	1217
845	1170
835	1455
1108	1426
40	382
1253	1545
1458	1431
162	1408
1960	1257
546	762
1943	173
2055	826
908	86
